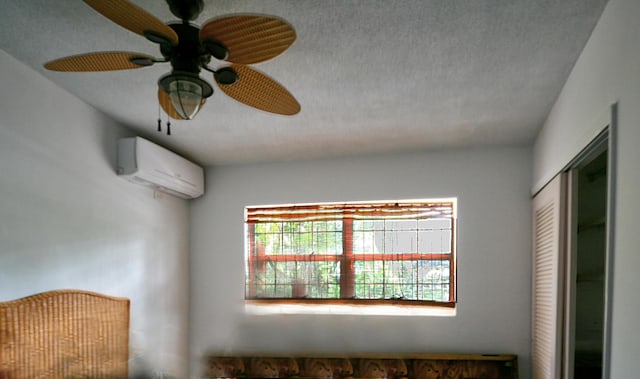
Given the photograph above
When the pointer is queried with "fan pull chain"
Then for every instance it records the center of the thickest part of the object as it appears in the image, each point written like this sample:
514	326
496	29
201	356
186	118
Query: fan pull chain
160	122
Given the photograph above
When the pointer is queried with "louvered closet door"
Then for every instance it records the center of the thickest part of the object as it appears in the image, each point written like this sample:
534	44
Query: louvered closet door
548	242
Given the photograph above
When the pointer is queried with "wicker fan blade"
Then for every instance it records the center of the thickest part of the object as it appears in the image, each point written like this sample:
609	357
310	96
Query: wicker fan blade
249	39
167	105
133	18
259	91
101	61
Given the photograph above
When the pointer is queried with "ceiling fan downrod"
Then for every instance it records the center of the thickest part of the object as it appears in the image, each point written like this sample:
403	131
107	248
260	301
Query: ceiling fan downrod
186	10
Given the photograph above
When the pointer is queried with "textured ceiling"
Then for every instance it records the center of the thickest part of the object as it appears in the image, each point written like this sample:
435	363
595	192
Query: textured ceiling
371	75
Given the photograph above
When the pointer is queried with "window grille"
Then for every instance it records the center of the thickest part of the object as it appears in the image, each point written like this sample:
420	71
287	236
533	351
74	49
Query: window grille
399	252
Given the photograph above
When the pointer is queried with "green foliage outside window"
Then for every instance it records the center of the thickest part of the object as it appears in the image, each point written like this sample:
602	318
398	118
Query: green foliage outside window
304	242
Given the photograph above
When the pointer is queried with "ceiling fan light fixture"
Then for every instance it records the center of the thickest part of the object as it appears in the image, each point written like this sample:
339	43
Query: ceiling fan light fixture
186	92
186	97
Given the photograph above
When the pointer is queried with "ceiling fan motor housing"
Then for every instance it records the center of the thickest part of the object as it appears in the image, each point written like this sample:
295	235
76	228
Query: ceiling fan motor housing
187	55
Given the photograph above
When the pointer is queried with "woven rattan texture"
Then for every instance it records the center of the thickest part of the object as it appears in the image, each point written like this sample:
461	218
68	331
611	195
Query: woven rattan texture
64	334
91	62
259	91
250	39
132	17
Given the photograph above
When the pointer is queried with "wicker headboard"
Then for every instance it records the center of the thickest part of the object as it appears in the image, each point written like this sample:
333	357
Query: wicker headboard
64	334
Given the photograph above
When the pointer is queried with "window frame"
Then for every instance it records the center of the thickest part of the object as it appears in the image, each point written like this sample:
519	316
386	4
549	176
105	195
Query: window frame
348	259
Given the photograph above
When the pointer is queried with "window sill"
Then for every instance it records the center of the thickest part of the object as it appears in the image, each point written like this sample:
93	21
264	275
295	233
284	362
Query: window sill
261	308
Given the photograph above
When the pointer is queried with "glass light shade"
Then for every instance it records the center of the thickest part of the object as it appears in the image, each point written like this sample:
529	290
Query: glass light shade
186	97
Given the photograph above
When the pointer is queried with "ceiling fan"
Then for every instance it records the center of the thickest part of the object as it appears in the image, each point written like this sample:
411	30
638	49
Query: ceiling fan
238	39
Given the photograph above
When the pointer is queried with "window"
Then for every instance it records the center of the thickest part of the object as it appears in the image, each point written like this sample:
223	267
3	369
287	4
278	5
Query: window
367	253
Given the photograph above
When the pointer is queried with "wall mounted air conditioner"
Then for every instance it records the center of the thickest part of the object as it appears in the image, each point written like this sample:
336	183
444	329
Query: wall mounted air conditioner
146	163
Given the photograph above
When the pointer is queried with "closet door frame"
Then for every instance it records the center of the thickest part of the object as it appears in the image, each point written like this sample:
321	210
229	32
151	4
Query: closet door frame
599	145
606	140
563	365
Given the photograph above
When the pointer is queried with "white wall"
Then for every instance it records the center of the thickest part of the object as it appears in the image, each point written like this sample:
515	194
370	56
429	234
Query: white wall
67	220
493	313
607	71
